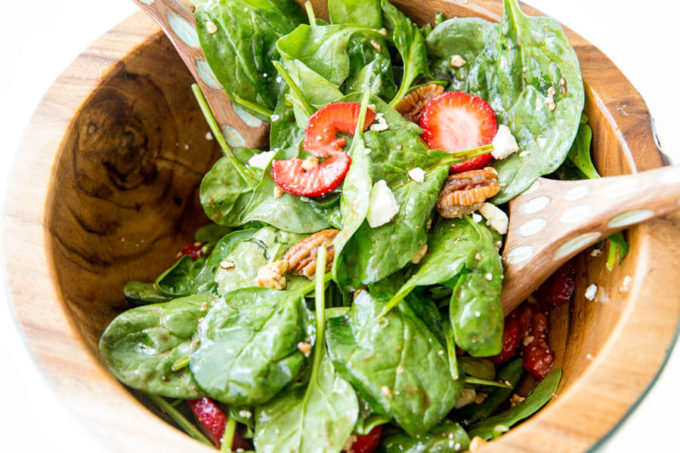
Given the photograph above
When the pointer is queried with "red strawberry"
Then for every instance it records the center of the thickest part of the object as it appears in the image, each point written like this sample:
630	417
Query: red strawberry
316	180
456	122
195	250
559	288
321	137
512	336
212	422
366	443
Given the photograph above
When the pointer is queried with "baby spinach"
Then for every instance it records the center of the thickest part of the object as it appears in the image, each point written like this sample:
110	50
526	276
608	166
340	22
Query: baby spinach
179	279
397	364
318	417
447	437
249	254
139	293
495	426
410	44
211	233
141	345
462	254
247	345
238	38
362	12
515	66
480	368
471	414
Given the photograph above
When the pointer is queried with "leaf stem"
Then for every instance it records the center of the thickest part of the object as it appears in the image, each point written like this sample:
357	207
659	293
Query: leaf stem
480	381
177	416
320	307
359	131
228	436
180	363
250	179
310	13
451	350
297	93
257	108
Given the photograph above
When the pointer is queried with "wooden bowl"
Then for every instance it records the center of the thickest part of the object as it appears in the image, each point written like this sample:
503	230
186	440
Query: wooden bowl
104	191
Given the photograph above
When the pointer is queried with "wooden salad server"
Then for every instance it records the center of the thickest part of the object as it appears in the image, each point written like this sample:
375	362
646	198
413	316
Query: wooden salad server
554	220
176	19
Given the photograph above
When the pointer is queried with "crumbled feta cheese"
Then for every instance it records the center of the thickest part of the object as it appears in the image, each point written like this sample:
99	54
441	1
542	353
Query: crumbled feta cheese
488	276
380	123
417	174
227	265
467	396
368	151
310	163
498	220
261	160
382	205
245	413
419	255
208	136
627	281
596	253
476	217
591	291
504	143
211	28
275	117
457	61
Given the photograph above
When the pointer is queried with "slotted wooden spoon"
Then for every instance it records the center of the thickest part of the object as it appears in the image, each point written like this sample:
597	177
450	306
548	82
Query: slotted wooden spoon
550	223
554	220
239	127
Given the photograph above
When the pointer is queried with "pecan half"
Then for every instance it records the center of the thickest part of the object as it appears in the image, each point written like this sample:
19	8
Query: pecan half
465	192
301	257
412	105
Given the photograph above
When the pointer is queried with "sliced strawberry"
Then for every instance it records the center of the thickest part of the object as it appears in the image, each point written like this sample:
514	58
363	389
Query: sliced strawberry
560	287
321	137
294	176
456	122
366	443
212	421
195	250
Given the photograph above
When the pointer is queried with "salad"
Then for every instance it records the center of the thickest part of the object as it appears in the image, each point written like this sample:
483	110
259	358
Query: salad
346	296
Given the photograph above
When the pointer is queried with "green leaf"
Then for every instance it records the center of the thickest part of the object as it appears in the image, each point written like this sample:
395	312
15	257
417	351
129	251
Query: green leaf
242	48
179	279
617	246
495	426
473	413
462	254
579	154
410	44
141	345
496	56
480	368
211	233
138	293
360	12
398	365
447	437
247	345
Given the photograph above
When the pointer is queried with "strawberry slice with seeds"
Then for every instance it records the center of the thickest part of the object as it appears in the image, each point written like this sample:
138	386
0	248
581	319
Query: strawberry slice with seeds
366	443
212	421
321	138
456	122
298	177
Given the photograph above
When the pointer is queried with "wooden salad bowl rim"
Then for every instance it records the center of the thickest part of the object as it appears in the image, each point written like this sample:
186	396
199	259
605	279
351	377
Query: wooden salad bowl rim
609	387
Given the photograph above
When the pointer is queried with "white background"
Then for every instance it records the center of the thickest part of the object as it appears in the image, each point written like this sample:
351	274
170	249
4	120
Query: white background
39	38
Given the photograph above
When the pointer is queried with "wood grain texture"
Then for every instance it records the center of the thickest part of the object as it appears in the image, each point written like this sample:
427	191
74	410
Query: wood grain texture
104	190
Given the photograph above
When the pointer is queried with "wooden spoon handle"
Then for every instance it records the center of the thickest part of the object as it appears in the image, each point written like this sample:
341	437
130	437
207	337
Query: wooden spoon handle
555	220
239	127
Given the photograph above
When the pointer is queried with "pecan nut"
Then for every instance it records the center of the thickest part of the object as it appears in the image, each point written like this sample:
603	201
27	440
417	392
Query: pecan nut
412	105
464	193
301	257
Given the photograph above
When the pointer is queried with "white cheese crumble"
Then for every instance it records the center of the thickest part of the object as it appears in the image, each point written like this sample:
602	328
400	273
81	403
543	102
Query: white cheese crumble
417	174
261	160
275	117
467	396
380	123
627	282
504	143
591	291
457	61
382	205
498	220
476	217
211	28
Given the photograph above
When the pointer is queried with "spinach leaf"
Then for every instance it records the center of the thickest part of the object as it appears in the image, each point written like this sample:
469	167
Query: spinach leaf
247	345
284	132
480	368
410	43
579	153
471	414
289	424
462	254
141	345
495	426
361	12
397	364
242	47
211	233
515	66
139	293
447	437
313	87
617	246
249	254
319	417
179	279
205	280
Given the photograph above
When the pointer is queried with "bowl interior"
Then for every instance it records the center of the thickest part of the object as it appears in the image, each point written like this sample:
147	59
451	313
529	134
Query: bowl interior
123	196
